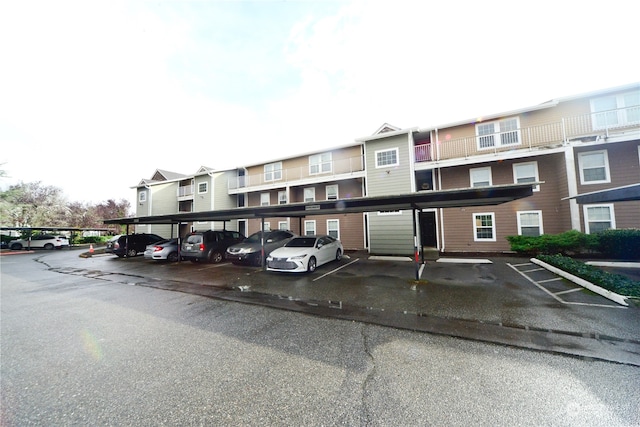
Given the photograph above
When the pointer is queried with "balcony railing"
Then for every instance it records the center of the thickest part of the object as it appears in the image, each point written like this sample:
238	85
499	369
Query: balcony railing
327	170
185	190
593	125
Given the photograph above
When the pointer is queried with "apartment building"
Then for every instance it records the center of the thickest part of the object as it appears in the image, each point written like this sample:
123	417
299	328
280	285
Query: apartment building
572	146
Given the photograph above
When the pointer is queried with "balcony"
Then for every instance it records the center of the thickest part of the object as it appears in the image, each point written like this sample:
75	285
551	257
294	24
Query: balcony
330	171
185	192
588	127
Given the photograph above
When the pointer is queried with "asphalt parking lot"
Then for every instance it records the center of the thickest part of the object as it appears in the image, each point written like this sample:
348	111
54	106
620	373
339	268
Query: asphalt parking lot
481	299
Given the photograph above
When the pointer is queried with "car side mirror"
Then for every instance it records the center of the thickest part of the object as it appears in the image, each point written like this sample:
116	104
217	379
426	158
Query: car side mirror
319	245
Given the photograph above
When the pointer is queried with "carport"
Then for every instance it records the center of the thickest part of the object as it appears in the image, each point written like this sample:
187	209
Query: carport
464	197
625	193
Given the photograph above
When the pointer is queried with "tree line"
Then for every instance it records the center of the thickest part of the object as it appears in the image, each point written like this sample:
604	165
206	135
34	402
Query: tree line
33	204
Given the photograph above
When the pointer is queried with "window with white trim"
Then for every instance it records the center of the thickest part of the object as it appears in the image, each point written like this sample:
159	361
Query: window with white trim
499	133
530	223
309	227
283	225
526	172
386	158
484	227
616	110
333	228
202	187
310	194
598	218
594	167
267	226
273	171
282	197
142	196
480	177
332	192
264	199
320	163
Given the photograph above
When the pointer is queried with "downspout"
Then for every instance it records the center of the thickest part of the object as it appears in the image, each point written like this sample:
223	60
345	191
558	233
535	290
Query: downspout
441	213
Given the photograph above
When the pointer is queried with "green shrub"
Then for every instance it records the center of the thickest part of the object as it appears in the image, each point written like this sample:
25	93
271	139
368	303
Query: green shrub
613	282
620	244
92	239
568	242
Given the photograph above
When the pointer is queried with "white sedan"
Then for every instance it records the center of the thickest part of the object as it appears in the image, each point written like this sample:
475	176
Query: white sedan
304	254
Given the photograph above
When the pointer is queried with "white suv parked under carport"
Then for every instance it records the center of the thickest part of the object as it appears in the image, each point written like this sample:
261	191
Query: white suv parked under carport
40	241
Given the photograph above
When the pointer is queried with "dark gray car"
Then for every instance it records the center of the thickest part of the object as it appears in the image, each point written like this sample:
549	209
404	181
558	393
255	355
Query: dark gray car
248	252
208	246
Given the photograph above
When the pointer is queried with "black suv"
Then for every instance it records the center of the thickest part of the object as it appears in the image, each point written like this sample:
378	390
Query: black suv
208	246
132	244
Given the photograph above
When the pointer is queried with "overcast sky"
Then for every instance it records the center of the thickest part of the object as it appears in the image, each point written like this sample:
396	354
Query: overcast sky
96	95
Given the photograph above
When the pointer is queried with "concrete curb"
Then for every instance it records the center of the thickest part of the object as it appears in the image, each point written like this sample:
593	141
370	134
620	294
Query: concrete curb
620	299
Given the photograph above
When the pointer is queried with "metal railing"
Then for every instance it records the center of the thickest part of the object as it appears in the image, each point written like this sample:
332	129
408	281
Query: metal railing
186	190
339	167
593	125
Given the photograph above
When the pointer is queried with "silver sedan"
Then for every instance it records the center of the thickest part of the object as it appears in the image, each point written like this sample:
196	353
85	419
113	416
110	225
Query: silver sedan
164	250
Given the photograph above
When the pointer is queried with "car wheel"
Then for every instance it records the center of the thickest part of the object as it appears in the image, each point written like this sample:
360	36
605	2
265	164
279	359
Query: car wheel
16	247
215	257
311	266
48	246
172	257
338	255
131	253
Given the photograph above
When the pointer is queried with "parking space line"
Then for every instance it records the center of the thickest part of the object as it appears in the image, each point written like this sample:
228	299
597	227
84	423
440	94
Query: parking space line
539	286
210	266
336	269
535	269
555	279
521	265
568	291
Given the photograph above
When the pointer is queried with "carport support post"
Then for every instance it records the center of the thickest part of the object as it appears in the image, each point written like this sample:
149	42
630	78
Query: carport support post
416	254
262	243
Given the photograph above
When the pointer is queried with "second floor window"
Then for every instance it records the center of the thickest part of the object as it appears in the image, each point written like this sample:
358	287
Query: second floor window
594	167
264	199
320	163
526	172
142	196
480	177
282	197
310	194
332	192
202	187
386	158
498	133
273	171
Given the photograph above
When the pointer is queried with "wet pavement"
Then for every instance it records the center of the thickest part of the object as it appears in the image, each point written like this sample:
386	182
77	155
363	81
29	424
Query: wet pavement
502	300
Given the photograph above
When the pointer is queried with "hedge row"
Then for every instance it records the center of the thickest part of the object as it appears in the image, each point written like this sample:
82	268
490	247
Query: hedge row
617	283
618	244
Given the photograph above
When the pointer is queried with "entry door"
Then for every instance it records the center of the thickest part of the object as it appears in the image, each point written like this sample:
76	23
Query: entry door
428	229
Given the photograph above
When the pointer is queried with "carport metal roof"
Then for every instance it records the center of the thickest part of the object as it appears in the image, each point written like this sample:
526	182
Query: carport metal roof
619	194
464	197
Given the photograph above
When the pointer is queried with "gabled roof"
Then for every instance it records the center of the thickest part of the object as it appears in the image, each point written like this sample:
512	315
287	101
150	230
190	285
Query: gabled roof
386	128
163	175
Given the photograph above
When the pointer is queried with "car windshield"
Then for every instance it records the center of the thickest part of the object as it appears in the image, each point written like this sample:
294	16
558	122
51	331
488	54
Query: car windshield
301	242
255	238
194	238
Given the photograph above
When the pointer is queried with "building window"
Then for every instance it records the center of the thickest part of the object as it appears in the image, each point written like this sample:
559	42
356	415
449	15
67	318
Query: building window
616	110
480	177
309	227
332	192
484	227
273	171
499	133
385	158
202	187
267	226
526	172
310	194
264	199
320	163
283	225
598	218
142	196
282	197
530	223
333	228
594	167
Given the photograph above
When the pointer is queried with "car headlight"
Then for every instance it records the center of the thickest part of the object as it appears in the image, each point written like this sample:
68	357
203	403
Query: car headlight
297	258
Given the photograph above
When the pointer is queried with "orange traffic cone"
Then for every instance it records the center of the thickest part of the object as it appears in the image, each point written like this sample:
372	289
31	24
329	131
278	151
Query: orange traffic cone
90	249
